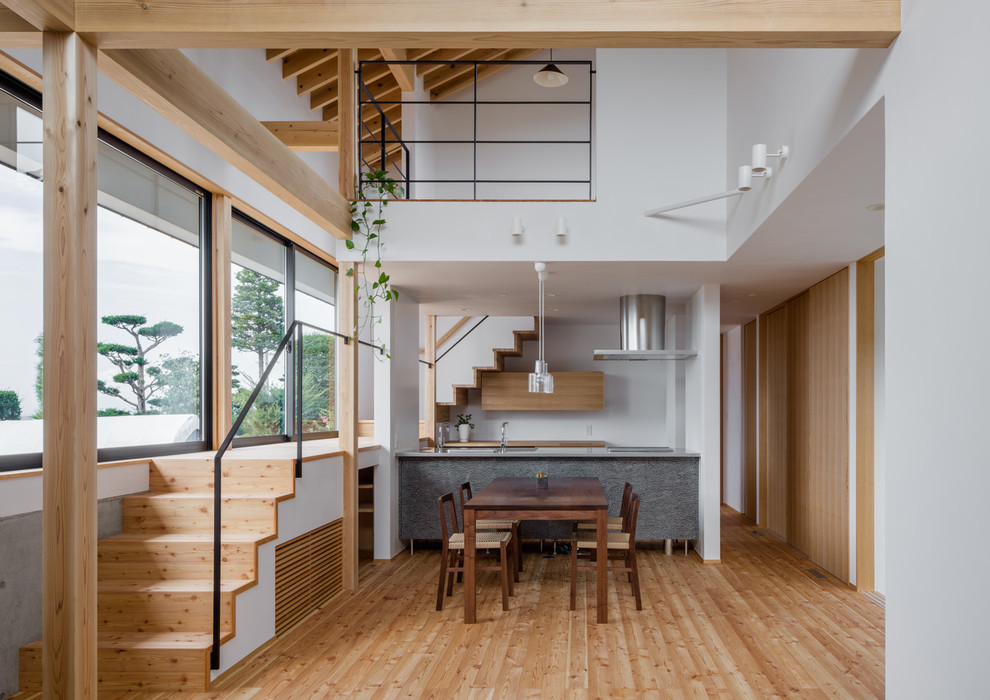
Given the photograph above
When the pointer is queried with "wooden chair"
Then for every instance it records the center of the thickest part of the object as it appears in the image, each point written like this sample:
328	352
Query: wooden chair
616	523
452	555
623	542
464	493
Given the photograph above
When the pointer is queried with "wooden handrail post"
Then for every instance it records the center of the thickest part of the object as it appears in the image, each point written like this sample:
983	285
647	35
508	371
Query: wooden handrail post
222	399
69	457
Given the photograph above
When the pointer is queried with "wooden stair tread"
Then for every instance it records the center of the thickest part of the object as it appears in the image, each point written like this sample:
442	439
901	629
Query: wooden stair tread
147	640
167	585
192	495
190	537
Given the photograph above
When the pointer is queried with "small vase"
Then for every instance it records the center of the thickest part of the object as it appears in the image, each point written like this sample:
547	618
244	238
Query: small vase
542	482
464	432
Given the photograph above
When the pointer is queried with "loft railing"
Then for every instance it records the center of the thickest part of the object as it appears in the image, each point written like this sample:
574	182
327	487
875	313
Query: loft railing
285	345
387	138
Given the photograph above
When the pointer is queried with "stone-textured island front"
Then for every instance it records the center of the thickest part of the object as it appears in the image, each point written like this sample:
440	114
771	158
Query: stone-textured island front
666	482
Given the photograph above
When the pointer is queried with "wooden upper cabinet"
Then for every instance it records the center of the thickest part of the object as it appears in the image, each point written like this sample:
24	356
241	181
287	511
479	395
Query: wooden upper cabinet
573	391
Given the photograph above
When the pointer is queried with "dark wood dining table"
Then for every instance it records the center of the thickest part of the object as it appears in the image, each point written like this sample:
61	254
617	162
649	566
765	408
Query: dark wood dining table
567	498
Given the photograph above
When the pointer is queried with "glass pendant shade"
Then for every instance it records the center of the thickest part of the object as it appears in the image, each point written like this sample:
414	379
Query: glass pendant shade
540	380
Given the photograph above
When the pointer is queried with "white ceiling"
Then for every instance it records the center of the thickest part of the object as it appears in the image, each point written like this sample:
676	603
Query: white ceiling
821	227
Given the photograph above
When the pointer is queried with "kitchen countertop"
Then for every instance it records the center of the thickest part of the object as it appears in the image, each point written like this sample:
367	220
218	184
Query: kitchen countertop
576	452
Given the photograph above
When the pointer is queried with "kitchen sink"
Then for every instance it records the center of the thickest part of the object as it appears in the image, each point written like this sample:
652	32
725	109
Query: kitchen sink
487	450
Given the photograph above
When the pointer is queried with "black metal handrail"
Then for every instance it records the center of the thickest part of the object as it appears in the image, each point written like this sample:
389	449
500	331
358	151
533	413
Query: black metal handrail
385	158
296	327
430	364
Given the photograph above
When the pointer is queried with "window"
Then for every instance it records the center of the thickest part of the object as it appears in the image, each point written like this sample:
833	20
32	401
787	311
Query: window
151	270
263	268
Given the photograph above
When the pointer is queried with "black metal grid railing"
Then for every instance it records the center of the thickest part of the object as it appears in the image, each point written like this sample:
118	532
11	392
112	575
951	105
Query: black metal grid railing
382	141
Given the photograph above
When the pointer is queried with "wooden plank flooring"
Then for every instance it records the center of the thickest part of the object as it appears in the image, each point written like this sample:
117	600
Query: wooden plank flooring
758	625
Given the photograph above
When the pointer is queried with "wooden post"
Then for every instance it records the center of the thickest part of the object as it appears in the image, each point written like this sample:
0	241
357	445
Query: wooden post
347	424
430	409
222	400
347	115
69	458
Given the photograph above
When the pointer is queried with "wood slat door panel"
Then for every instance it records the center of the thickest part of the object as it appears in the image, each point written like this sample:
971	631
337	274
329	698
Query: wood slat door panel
749	420
308	572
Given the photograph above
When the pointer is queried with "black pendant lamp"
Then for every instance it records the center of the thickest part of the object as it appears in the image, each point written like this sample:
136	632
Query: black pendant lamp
550	75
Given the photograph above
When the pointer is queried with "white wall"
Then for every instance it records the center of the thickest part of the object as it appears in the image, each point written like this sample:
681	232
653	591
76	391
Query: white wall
635	394
732	420
660	137
702	413
805	98
475	350
396	414
937	107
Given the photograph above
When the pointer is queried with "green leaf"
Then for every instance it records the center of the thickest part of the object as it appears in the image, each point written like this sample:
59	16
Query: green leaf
349	244
378	263
350	271
378	222
355	226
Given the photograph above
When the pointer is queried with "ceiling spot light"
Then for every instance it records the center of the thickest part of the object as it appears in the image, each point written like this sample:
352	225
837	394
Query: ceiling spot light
760	155
550	75
561	228
517	227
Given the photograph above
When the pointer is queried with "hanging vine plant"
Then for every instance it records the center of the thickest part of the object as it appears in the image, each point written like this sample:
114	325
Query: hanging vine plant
367	222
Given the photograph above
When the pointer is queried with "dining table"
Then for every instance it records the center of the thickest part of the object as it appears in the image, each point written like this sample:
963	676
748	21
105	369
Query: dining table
565	498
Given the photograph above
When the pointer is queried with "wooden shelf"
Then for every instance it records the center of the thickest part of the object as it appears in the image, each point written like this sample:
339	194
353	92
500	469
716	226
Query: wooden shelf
573	391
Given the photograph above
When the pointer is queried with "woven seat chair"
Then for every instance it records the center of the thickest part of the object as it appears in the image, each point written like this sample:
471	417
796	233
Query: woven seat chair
615	522
622	542
452	554
464	493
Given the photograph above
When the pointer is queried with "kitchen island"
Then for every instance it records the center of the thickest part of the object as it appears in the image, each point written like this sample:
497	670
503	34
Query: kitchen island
667	483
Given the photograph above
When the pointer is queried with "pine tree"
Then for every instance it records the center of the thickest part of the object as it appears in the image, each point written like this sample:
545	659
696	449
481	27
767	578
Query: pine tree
136	373
256	318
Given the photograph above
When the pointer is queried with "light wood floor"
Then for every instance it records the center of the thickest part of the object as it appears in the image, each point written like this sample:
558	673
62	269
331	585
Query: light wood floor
758	625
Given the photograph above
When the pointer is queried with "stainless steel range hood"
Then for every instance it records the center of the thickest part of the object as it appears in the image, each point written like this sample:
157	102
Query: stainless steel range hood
642	322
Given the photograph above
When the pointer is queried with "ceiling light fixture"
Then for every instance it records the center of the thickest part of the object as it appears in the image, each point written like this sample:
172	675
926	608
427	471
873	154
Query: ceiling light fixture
746	173
540	380
550	75
517	227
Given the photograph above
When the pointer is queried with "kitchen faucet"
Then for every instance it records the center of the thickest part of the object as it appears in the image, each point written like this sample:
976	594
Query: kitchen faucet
504	443
442	436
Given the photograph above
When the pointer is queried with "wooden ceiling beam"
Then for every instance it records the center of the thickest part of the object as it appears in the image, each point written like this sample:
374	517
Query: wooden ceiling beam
405	74
306	136
489	24
48	15
16	32
276	54
302	61
177	89
451	88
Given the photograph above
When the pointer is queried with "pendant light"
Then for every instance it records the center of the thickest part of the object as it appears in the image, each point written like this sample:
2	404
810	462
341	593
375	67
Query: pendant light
540	380
550	75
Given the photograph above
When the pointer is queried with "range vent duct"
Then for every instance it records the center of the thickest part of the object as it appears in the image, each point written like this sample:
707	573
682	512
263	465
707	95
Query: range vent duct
642	326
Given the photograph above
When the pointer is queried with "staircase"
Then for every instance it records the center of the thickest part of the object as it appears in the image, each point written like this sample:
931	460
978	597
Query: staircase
460	396
155	578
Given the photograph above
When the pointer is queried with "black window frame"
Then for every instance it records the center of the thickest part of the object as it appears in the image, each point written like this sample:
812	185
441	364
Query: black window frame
34	460
291	248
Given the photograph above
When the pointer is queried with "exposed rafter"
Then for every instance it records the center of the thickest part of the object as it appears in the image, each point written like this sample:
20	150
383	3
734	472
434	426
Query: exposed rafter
491	24
447	89
175	87
302	61
16	32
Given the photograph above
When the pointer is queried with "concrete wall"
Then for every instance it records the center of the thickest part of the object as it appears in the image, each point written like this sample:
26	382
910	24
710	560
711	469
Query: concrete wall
20	582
